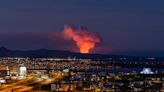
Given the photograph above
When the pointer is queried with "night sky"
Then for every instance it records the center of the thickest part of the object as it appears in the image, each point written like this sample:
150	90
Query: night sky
124	25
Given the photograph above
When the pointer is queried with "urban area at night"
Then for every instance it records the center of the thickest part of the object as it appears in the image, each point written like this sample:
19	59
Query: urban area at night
81	46
83	72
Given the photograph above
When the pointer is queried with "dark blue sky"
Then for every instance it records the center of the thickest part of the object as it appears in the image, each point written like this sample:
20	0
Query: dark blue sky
125	25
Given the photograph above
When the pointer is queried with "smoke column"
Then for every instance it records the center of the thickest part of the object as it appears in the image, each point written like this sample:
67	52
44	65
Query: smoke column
84	39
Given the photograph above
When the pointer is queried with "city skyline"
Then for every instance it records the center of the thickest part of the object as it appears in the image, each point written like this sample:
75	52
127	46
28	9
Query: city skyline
81	46
123	26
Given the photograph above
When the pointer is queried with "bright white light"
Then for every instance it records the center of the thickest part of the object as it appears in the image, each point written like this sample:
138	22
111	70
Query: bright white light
66	70
146	71
22	72
2	81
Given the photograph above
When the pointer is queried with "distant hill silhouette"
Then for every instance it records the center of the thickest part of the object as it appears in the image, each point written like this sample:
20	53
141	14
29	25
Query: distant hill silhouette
5	52
142	53
3	49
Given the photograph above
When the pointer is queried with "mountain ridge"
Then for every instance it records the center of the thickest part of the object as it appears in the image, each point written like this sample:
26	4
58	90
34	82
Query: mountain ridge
5	52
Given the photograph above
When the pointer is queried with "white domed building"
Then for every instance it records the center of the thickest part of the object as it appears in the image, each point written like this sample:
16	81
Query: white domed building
146	71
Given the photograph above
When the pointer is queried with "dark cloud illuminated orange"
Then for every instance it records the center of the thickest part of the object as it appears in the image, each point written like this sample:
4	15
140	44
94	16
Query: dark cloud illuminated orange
84	39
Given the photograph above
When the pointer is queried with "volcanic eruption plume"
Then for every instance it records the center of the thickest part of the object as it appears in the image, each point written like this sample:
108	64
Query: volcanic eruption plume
84	39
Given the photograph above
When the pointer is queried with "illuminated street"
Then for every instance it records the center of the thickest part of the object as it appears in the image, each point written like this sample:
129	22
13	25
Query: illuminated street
81	45
21	86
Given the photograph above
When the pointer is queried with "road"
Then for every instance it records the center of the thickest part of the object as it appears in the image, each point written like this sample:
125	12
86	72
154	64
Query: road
23	85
